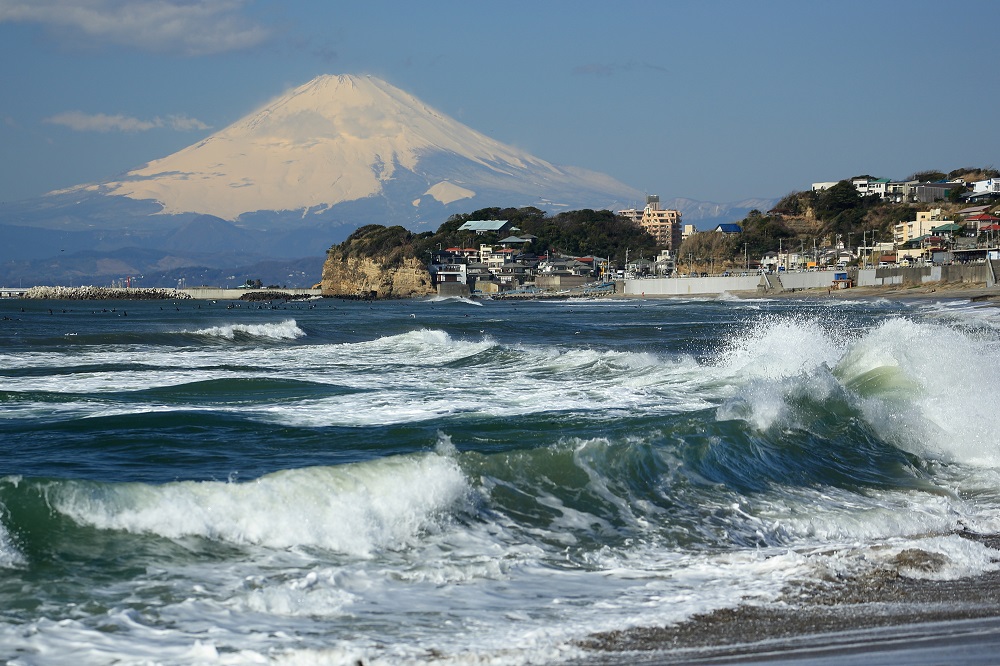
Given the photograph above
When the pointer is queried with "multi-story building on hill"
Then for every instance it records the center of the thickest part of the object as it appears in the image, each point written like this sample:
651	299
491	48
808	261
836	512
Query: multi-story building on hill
904	232
662	224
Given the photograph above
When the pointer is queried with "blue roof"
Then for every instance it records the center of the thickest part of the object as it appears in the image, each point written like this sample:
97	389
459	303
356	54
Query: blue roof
729	228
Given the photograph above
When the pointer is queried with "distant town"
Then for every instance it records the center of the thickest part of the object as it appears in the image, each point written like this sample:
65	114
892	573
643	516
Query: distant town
950	222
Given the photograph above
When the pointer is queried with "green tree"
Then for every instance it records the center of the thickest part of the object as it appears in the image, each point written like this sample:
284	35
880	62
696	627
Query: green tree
836	199
928	176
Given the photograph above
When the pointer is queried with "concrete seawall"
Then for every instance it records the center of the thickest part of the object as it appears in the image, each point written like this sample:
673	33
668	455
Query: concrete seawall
971	274
984	273
690	286
219	294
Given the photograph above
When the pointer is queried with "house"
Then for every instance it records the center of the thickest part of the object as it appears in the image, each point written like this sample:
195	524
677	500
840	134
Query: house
949	229
901	191
487	226
988	185
931	192
441	273
870	187
974	210
516	240
729	229
982	221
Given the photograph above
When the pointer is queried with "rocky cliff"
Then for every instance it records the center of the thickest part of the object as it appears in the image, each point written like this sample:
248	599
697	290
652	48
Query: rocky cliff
372	277
377	262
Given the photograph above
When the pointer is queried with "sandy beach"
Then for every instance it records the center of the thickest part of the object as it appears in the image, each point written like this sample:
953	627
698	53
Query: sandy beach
880	620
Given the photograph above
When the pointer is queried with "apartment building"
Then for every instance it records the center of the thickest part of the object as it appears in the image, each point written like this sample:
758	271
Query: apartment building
662	224
926	220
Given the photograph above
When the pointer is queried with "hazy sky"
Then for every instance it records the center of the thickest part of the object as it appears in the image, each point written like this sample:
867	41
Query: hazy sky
716	101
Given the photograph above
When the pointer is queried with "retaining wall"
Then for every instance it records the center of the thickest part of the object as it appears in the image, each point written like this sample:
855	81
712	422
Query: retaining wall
690	286
215	293
964	273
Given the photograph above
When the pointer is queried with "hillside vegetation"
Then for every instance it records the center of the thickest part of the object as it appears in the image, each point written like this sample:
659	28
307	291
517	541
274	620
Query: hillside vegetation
821	219
800	220
573	233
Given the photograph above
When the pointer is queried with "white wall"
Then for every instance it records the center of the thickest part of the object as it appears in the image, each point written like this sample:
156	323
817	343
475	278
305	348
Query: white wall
690	286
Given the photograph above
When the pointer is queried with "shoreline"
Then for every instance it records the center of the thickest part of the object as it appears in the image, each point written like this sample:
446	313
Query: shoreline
976	292
932	290
883	618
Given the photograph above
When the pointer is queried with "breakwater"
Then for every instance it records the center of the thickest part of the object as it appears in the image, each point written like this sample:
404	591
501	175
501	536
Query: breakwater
91	293
244	294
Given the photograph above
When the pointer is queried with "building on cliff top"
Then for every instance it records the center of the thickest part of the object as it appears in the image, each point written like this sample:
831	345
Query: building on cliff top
487	226
662	224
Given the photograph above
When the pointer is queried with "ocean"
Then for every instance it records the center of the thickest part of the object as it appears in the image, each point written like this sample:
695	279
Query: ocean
474	482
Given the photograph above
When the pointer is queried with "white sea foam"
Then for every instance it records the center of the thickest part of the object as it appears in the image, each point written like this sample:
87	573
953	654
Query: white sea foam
776	347
10	556
284	330
928	388
354	509
453	299
939	399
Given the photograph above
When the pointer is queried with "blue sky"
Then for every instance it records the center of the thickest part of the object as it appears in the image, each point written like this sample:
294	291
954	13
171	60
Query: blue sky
716	101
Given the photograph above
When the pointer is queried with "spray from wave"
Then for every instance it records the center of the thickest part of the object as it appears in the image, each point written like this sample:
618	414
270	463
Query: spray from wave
285	330
927	388
10	556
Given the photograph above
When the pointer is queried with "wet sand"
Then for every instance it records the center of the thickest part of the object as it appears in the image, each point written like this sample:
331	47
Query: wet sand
881	619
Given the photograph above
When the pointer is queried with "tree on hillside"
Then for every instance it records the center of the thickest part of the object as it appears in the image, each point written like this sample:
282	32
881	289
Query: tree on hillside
707	247
928	176
392	244
795	203
587	231
763	233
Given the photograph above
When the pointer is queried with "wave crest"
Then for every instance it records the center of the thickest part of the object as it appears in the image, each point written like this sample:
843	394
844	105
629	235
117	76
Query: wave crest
352	509
926	388
284	330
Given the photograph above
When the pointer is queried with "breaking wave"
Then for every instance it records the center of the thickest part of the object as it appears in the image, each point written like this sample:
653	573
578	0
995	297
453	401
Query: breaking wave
285	330
355	509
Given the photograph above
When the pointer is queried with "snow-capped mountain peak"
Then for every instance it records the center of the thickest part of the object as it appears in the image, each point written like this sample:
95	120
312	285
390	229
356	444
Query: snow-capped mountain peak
345	138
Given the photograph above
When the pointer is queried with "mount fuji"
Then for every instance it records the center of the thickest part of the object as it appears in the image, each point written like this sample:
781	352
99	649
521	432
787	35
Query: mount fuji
356	140
287	181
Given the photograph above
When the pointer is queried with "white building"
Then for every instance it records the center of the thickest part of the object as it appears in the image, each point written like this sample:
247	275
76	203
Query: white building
870	187
989	185
819	187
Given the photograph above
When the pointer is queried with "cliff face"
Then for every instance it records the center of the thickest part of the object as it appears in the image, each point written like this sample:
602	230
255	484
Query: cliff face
370	277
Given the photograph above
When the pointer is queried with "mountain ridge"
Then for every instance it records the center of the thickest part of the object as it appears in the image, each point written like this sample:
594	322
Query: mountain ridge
343	138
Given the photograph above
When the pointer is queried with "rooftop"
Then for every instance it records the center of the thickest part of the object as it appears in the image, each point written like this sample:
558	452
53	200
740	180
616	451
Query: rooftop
484	225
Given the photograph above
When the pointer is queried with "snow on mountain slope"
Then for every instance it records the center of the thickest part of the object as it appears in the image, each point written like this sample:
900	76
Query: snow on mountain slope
345	138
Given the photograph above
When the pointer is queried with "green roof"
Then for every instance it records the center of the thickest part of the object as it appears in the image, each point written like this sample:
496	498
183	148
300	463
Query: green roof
484	225
947	227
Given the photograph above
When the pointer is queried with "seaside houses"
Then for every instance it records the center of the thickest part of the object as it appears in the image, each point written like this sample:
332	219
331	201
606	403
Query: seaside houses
915	191
506	264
